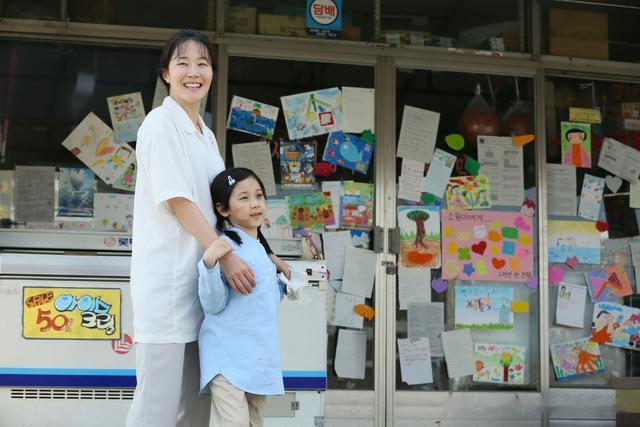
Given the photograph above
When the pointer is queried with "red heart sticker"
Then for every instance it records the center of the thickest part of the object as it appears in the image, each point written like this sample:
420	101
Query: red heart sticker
602	226
479	247
498	263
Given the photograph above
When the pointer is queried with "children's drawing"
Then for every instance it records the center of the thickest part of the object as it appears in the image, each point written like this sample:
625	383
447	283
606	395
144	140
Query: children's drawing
127	114
127	181
348	151
92	142
114	212
357	205
597	285
578	239
75	194
591	197
502	364
487	245
576	144
310	210
276	222
297	160
419	236
468	192
616	325
313	113
483	307
256	118
576	359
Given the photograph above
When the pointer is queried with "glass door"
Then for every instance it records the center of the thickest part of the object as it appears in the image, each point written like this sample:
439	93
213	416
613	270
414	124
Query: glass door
466	317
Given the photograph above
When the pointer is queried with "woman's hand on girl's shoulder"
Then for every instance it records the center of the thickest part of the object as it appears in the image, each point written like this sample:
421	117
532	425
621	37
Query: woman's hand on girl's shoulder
215	251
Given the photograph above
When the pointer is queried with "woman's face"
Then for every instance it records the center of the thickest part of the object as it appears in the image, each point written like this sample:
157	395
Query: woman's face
189	74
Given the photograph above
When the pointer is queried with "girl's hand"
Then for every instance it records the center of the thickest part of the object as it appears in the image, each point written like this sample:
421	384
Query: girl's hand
218	249
281	266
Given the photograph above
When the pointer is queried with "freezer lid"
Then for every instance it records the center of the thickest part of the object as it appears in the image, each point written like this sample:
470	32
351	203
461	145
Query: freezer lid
66	240
36	264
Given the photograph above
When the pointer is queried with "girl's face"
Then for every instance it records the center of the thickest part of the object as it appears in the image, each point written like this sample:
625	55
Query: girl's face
189	74
246	206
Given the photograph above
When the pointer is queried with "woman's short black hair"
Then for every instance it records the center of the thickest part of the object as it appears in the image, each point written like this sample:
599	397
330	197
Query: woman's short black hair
177	42
221	188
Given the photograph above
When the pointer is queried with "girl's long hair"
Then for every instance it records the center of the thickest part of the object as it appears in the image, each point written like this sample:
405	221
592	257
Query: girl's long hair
221	189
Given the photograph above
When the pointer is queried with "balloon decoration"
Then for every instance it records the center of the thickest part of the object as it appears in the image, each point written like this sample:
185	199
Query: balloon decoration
478	119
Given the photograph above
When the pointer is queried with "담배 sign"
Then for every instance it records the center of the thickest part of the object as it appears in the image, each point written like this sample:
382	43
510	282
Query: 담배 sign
71	313
324	16
313	113
488	245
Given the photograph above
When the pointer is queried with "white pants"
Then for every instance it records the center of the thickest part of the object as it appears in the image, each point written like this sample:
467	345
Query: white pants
232	407
167	394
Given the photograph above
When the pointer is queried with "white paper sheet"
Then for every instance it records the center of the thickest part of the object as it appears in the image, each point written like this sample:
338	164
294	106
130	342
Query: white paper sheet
415	361
426	320
620	159
414	285
561	189
351	352
342	313
335	188
439	173
410	181
458	352
257	157
501	162
359	272
35	193
358	109
591	197
335	244
634	196
418	134
570	305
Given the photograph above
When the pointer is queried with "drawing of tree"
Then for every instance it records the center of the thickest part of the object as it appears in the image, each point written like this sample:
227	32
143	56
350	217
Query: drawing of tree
419	217
505	361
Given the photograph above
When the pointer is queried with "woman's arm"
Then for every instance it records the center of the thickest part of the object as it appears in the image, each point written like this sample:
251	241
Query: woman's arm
235	270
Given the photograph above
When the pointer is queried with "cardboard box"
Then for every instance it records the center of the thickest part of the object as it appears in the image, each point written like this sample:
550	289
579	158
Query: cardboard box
579	33
352	33
282	25
242	20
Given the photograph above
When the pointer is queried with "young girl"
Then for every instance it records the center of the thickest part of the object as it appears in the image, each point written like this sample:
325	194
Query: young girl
238	342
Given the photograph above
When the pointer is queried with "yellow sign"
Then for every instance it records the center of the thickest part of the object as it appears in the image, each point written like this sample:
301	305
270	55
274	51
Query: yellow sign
71	313
520	306
584	115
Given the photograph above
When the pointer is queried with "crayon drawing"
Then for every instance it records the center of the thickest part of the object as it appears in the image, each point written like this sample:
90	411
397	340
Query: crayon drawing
313	113
356	205
297	160
576	144
483	307
616	325
310	210
468	192
578	239
127	114
277	224
419	236
348	151
256	118
502	364
576	359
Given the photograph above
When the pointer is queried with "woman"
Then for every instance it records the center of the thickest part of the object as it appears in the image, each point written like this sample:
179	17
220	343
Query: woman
177	158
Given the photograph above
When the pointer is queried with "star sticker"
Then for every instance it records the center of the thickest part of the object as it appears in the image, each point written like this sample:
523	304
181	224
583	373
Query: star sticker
468	269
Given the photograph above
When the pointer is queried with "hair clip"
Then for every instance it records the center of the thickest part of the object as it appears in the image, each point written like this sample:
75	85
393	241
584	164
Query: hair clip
230	180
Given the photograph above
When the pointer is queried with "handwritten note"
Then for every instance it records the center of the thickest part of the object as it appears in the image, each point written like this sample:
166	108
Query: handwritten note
561	189
410	181
418	134
570	305
358	109
415	361
343	314
413	286
257	157
426	320
620	159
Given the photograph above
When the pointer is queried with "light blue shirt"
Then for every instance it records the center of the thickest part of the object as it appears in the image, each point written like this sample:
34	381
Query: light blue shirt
239	335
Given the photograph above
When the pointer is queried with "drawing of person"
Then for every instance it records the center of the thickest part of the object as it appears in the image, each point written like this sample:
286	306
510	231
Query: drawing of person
576	153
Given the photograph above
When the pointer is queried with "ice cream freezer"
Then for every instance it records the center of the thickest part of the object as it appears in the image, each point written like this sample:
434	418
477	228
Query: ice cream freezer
68	357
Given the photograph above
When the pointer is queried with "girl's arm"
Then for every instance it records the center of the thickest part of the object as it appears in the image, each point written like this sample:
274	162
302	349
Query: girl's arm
235	270
213	292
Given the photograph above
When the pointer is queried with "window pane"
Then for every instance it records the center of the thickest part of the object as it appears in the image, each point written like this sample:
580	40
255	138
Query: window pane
585	119
32	9
463	238
146	13
500	25
602	30
289	19
276	79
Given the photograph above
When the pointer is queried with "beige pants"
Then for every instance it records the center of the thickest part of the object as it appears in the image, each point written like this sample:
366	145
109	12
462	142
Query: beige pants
232	407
